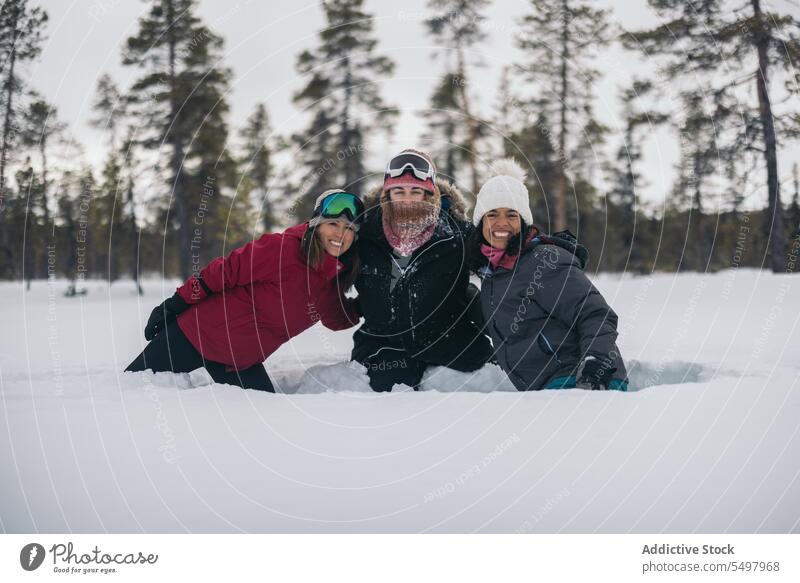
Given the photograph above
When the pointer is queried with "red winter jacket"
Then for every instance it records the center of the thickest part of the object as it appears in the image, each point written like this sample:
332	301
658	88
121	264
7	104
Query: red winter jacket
263	294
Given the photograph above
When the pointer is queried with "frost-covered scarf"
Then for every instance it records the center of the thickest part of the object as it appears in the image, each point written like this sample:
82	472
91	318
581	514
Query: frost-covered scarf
409	227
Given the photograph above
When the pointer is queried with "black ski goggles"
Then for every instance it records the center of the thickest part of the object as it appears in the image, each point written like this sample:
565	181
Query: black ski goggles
337	204
409	161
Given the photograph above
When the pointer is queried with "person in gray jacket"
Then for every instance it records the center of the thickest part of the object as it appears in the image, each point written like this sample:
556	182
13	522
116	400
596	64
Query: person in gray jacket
550	327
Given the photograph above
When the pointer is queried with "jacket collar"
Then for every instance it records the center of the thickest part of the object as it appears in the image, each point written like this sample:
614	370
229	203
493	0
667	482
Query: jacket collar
565	240
330	266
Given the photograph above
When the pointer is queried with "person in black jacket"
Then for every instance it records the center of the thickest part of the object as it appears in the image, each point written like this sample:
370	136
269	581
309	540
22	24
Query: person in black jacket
413	284
551	328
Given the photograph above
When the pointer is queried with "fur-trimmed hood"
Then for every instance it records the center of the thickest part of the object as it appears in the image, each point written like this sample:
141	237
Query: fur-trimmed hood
457	206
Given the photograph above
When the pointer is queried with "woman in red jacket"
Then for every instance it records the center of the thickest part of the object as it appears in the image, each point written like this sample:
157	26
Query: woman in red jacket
239	309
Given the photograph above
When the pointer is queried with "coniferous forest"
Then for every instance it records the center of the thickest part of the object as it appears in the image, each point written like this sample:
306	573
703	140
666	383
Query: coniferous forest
180	185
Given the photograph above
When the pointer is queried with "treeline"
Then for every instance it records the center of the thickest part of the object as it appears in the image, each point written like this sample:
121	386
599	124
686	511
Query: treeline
179	186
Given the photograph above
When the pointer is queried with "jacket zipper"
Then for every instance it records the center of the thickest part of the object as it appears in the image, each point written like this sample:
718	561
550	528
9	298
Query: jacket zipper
403	274
553	352
403	271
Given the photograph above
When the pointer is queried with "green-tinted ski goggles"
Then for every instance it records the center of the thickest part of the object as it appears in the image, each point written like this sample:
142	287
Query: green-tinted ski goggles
337	204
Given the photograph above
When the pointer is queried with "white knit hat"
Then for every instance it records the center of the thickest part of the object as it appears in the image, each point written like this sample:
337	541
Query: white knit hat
505	189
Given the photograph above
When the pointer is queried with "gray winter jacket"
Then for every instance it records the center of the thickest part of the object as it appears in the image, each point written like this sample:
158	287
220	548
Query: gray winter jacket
545	316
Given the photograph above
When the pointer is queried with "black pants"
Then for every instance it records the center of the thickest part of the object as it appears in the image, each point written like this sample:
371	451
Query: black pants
171	351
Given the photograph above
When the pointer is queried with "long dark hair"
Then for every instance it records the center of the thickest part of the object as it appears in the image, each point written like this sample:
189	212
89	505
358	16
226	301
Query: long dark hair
477	260
314	253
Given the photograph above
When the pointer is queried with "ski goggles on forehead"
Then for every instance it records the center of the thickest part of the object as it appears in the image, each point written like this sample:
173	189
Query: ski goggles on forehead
409	161
341	203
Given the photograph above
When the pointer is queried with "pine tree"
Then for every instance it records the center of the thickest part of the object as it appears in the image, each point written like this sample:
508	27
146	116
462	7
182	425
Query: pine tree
626	181
130	230
698	163
68	212
41	126
342	95
12	226
30	190
445	134
457	26
559	39
227	224
112	116
532	145
260	145
21	38
525	135
107	220
180	101
316	148
793	213
75	251
111	108
699	40
507	115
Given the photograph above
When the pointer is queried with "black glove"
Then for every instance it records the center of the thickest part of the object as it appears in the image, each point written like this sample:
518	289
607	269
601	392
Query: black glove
163	314
595	373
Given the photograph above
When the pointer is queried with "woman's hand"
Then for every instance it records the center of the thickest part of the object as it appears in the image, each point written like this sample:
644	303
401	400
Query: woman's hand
595	373
163	314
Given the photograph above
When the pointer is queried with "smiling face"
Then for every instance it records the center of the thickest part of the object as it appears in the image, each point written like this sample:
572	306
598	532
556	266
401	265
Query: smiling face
336	236
499	225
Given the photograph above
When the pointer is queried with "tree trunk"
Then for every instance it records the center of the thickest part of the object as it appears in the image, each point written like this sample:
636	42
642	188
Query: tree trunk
46	232
775	210
181	204
134	239
794	215
266	206
12	58
263	188
4	145
628	202
698	243
43	154
450	157
560	213
351	181
28	244
472	124
27	269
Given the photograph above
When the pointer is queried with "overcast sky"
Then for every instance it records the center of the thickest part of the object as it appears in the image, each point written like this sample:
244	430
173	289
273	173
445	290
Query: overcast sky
263	38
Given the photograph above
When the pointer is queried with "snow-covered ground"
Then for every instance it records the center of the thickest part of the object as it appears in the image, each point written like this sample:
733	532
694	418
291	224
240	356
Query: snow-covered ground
707	443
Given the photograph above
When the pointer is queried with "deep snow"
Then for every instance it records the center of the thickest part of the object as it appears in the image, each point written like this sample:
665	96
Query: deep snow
707	443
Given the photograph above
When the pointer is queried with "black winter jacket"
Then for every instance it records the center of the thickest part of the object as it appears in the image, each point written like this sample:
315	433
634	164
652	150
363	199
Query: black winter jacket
545	316
426	312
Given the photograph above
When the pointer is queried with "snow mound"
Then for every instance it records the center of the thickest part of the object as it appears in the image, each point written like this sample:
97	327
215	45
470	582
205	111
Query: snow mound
487	379
642	375
335	378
